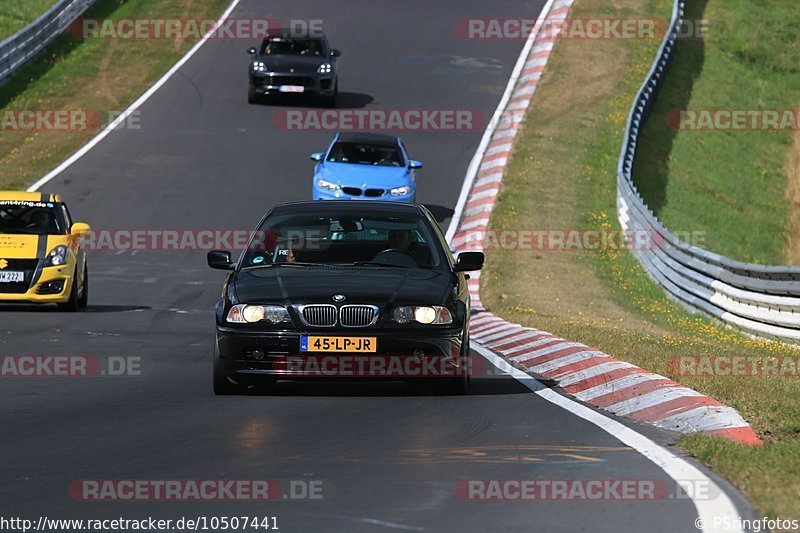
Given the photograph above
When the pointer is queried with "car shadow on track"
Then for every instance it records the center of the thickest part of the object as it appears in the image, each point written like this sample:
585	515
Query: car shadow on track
484	386
345	100
440	212
51	308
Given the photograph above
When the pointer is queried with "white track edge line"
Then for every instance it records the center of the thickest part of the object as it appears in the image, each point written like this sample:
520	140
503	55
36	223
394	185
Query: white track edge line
133	107
474	165
677	468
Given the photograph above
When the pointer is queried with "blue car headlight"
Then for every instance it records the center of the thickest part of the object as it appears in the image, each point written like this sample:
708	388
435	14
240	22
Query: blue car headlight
325	68
56	257
400	191
327	185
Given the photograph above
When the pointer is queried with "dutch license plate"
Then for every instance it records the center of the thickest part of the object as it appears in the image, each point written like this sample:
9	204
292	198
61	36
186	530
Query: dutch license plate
312	343
12	277
291	89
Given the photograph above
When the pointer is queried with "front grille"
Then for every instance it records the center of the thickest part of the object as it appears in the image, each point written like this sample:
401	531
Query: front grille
14	288
352	191
358	316
322	315
373	193
28	266
288	80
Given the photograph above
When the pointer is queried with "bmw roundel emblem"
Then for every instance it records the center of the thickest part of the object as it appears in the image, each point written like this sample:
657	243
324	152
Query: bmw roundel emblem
339	297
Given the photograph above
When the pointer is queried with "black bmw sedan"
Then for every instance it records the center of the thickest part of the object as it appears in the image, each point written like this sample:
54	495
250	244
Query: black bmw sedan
294	63
344	290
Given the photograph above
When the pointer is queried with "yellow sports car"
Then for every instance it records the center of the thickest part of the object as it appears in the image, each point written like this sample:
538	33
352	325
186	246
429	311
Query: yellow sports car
41	260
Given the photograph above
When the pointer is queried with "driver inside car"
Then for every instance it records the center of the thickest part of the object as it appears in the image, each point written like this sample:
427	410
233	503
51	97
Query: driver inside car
42	221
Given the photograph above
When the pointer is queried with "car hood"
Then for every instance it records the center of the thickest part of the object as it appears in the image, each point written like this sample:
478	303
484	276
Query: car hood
285	64
24	246
360	285
350	175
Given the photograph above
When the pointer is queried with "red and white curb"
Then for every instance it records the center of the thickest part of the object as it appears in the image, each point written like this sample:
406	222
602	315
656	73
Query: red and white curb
584	373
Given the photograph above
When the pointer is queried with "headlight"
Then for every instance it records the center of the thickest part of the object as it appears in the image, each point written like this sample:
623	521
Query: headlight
56	257
400	191
327	185
259	66
423	314
325	68
248	314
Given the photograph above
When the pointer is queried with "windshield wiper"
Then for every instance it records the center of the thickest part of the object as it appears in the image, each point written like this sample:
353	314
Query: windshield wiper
385	265
268	265
20	231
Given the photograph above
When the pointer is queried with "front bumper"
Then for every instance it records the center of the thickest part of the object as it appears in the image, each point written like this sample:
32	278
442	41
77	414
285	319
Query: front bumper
313	84
400	356
41	286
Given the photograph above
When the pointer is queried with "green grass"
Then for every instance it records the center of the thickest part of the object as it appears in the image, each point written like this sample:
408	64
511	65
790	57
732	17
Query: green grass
562	176
95	74
16	14
729	184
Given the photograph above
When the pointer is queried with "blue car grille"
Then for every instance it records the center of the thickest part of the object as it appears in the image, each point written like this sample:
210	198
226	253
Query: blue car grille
355	191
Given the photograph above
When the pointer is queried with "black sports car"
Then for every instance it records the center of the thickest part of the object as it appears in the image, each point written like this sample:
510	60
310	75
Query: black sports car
344	289
294	63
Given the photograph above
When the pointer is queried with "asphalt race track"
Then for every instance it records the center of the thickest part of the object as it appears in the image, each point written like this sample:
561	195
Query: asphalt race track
389	457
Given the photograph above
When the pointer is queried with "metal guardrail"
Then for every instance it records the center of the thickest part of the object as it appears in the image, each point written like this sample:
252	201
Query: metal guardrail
761	300
29	41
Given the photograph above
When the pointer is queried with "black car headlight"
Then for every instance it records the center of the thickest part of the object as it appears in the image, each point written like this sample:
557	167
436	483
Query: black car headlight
56	257
433	314
259	66
325	68
250	314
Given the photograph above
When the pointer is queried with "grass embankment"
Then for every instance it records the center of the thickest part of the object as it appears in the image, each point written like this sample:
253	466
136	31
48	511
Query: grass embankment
562	175
733	184
103	76
15	15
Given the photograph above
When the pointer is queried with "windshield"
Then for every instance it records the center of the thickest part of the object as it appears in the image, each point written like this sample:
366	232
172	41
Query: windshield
35	218
300	47
402	242
366	154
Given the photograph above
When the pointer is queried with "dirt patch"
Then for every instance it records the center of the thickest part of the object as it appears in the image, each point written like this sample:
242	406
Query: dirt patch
540	192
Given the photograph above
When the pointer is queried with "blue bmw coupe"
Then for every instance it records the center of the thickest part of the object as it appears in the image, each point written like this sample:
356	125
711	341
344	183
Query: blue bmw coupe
365	166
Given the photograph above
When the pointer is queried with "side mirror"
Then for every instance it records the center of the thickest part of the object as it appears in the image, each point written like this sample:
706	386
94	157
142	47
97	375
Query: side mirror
318	157
335	53
220	260
469	261
79	229
251	51
414	165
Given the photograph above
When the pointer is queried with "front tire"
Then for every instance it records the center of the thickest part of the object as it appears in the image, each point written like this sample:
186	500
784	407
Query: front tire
222	385
83	300
74	303
330	101
252	97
